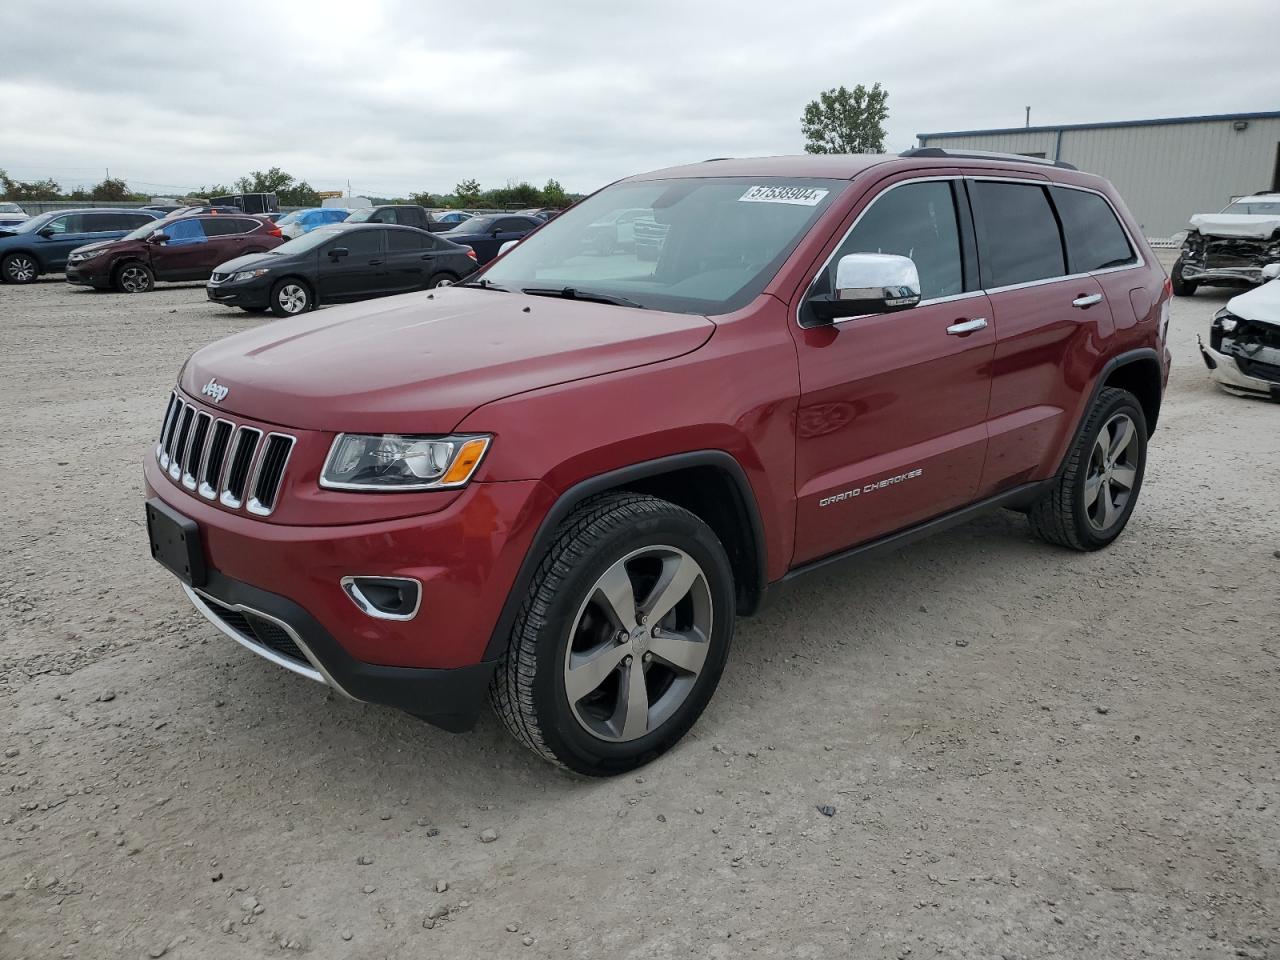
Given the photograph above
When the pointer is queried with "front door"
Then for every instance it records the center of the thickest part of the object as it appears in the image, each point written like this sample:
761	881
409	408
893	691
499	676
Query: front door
360	273
57	238
182	255
892	422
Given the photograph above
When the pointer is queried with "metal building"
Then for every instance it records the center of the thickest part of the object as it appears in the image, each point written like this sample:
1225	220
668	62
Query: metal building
1165	169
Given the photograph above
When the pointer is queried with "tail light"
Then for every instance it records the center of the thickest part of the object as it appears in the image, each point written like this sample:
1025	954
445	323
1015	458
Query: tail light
274	231
472	254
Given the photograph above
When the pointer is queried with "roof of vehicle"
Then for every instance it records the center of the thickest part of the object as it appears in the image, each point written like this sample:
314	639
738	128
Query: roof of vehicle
1272	197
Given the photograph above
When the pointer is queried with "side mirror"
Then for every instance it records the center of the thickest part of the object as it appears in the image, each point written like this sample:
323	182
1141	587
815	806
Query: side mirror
45	232
339	252
158	237
869	283
1271	271
494	232
507	246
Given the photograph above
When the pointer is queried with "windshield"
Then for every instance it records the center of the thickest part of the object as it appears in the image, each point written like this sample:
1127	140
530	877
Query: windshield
1266	208
35	223
149	228
704	246
10	208
308	241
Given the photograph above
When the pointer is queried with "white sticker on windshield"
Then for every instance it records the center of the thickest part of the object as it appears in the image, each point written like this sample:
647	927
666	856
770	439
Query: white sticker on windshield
800	196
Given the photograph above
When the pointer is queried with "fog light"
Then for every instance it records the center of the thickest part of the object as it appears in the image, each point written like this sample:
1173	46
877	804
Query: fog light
384	598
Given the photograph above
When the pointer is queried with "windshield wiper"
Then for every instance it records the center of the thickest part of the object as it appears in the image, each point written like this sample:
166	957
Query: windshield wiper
483	284
571	293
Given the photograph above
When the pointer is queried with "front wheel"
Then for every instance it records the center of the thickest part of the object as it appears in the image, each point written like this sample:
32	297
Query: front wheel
19	268
290	297
441	280
622	637
1094	496
1181	287
134	278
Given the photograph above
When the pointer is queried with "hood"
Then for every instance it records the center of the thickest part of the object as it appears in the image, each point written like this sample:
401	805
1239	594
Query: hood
99	245
252	261
420	362
1261	304
1253	226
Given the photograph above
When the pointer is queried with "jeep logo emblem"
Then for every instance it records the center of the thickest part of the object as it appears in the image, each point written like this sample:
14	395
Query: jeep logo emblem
215	390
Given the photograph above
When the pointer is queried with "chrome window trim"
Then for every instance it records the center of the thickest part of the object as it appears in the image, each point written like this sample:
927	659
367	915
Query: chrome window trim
365	606
984	291
315	672
203	488
251	501
225	498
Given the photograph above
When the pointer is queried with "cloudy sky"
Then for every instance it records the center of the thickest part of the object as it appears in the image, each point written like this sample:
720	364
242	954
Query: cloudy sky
399	96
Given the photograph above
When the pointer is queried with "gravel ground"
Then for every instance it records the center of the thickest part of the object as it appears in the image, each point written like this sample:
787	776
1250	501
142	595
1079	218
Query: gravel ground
1029	752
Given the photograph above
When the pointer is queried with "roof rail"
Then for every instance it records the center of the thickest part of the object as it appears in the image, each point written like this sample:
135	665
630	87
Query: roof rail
941	153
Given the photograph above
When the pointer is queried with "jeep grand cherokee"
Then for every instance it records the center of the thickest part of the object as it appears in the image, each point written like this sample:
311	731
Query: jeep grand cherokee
561	481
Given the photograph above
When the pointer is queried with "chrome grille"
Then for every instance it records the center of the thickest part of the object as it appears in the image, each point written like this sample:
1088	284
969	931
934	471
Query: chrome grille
221	460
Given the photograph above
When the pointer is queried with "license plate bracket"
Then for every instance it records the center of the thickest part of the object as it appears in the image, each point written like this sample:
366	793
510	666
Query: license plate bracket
175	543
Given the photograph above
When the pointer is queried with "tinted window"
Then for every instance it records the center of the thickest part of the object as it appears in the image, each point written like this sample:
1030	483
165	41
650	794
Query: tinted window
73	223
917	220
477	225
360	242
1095	239
227	226
131	221
516	224
1018	237
98	222
399	240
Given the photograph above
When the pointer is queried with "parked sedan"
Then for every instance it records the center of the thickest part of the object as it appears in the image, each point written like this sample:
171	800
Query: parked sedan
338	264
453	218
300	222
42	244
183	247
485	235
11	214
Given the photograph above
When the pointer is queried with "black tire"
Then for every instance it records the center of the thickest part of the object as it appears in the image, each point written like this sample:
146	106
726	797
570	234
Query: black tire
19	268
441	280
1181	287
254	309
1063	516
290	297
133	277
528	690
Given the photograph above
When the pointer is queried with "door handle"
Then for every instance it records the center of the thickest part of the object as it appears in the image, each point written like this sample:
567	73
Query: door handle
1085	302
966	327
375	263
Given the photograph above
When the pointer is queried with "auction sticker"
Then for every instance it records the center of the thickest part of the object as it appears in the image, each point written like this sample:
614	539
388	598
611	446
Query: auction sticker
800	196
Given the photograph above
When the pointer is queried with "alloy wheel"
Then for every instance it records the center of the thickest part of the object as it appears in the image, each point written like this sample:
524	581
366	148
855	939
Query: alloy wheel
1113	471
133	280
22	269
638	643
293	299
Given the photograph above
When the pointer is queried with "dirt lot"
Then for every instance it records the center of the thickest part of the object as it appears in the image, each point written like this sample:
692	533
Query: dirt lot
1030	752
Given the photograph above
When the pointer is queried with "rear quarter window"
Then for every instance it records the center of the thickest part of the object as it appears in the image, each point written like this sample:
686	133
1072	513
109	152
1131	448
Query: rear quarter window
1095	239
1018	239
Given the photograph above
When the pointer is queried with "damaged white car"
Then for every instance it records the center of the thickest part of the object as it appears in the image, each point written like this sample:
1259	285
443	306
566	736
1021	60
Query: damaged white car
1229	249
1243	353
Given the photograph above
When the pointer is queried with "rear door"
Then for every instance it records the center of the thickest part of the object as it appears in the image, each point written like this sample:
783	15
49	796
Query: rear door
892	422
1049	326
228	239
409	260
357	275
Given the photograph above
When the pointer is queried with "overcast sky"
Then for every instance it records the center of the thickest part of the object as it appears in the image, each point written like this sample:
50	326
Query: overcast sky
400	96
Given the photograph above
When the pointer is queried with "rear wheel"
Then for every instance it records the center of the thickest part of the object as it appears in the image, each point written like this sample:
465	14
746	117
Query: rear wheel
290	297
1093	498
1181	288
254	309
622	638
134	278
19	268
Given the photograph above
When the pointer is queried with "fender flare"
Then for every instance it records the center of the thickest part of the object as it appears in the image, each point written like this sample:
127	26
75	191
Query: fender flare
614	479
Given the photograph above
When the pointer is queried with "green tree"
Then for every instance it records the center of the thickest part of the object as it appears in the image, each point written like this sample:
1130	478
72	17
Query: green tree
213	190
274	180
846	121
112	189
467	193
424	199
12	189
553	195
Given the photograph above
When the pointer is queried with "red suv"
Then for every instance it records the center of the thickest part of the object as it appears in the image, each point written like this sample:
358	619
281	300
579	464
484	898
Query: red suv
184	247
561	481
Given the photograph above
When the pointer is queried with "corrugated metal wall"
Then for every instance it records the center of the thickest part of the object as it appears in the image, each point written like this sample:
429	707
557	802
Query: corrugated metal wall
1165	172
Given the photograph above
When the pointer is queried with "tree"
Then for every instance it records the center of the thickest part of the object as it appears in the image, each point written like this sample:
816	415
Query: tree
274	180
111	189
553	195
846	121
467	193
28	190
424	199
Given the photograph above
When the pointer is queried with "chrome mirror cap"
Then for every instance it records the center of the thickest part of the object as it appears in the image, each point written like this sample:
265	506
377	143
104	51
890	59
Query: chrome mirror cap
877	277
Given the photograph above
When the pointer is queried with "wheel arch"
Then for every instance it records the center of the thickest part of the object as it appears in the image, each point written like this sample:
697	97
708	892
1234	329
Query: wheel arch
1137	371
41	266
708	483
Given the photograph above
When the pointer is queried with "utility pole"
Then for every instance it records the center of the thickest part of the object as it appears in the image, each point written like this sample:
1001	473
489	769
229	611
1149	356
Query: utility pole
1028	116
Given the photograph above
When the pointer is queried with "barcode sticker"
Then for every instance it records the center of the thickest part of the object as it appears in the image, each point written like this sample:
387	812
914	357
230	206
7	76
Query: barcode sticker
800	196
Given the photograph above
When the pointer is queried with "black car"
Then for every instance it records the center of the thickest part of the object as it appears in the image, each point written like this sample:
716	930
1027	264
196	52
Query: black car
486	235
405	214
339	264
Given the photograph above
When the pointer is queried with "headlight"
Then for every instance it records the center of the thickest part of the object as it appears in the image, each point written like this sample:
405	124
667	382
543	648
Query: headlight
1224	321
89	255
248	275
395	462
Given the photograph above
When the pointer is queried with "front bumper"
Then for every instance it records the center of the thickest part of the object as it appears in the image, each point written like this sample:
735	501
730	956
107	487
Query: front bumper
85	275
1224	369
1234	276
254	293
